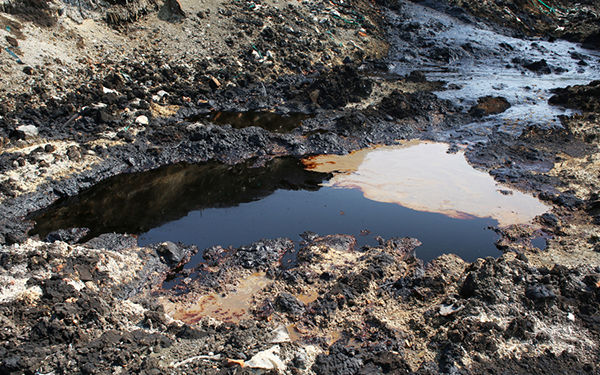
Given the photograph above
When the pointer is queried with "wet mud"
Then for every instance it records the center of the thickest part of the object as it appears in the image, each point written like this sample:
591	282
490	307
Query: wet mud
85	302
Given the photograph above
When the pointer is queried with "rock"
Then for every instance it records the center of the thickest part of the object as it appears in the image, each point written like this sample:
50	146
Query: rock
142	120
171	11
29	131
446	310
171	252
549	219
286	302
72	235
539	293
280	335
541	67
112	241
214	83
489	105
106	90
416	76
12	41
592	41
28	70
267	360
73	153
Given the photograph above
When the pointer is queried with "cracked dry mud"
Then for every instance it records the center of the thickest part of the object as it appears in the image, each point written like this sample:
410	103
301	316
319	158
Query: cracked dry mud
108	88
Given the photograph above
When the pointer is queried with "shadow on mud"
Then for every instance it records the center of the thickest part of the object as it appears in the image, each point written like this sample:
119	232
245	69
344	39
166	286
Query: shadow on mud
272	122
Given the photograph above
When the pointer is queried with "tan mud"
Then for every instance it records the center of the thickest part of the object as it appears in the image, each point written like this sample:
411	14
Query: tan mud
230	308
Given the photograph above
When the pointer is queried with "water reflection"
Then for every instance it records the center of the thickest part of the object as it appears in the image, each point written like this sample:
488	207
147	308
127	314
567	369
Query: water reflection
425	177
138	202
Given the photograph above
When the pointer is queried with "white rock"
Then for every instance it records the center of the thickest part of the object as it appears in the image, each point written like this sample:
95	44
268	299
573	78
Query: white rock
280	335
142	120
29	130
571	317
267	360
162	93
109	91
446	310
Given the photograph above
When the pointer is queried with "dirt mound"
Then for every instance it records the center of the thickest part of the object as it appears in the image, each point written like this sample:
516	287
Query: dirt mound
337	88
489	105
585	98
39	12
551	19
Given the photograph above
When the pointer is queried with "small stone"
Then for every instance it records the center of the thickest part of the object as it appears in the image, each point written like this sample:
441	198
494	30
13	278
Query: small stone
29	131
267	360
142	120
539	293
280	335
171	252
214	83
73	153
12	41
106	90
28	70
489	105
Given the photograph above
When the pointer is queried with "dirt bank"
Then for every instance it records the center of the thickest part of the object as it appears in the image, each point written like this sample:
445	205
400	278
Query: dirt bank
577	22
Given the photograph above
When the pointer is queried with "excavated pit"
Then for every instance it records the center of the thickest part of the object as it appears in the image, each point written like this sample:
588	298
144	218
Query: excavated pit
417	190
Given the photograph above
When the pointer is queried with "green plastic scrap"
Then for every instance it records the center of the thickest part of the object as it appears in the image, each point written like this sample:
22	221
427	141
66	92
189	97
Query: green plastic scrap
345	20
256	49
552	9
330	34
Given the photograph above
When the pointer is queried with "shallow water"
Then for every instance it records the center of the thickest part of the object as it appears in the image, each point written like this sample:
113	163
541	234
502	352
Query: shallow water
478	61
287	213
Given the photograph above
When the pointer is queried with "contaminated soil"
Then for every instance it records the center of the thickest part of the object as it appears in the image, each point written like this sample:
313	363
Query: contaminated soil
91	90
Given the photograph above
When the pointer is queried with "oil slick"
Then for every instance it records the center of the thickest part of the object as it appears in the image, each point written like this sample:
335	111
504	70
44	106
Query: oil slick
232	307
423	176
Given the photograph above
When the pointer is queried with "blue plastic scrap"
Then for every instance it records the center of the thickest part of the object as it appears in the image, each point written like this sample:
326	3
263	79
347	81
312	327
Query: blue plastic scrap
10	52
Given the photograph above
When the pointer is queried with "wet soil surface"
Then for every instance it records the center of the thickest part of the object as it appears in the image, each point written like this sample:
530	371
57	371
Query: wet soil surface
103	304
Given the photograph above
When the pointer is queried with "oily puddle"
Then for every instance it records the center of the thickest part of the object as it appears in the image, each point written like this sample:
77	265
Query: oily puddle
416	190
231	307
270	121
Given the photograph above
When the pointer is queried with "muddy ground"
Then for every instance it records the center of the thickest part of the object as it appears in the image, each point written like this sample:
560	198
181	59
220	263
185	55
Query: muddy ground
97	89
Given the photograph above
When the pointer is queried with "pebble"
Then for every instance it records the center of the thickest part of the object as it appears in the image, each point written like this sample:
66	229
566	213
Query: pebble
29	130
142	120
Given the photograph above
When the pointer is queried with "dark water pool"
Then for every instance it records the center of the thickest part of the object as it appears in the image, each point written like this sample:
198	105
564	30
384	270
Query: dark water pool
214	204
